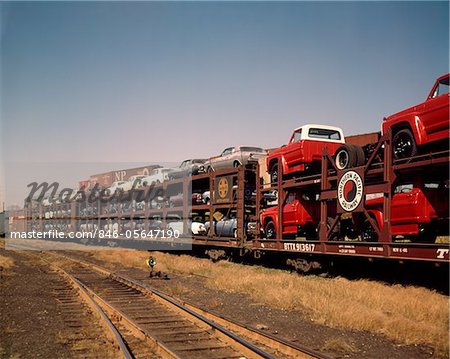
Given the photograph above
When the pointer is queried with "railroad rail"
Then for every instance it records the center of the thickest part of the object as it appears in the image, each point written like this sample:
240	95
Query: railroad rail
170	327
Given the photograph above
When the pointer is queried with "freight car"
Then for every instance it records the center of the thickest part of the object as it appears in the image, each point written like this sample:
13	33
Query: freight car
363	212
360	212
324	198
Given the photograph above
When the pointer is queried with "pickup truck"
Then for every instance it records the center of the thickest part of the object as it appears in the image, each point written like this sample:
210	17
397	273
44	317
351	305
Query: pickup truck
419	211
301	216
304	150
425	123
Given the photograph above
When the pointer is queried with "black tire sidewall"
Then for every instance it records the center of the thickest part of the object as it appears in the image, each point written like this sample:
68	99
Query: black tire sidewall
395	138
268	225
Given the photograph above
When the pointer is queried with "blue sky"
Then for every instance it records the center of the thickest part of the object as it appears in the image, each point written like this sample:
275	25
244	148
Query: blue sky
164	81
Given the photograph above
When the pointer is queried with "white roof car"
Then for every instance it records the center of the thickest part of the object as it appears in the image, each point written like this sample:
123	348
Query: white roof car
318	132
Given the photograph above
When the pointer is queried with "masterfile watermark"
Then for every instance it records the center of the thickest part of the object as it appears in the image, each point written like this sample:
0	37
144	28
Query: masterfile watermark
50	193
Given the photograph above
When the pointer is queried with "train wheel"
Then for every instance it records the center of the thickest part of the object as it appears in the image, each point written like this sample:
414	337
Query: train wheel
403	144
271	232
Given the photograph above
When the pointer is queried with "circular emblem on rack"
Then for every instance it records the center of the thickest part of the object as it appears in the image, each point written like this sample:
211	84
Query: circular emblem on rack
350	191
223	187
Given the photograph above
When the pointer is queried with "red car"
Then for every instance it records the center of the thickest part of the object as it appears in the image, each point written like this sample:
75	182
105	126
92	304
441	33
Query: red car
301	215
422	124
419	209
304	150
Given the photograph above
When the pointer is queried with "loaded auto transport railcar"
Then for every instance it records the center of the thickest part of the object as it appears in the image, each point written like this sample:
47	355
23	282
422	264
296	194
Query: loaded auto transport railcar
350	212
370	204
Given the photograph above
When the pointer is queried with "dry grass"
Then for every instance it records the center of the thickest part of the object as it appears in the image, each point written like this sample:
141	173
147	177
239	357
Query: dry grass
339	345
6	262
410	315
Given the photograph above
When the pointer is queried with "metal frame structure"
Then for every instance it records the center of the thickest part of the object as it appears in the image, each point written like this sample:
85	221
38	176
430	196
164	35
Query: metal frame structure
379	175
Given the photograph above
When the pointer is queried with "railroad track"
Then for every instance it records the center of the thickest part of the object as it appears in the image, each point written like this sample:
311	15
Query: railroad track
149	323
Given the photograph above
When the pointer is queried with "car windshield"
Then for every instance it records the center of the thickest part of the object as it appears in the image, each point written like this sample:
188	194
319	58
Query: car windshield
442	87
198	161
252	149
404	188
324	134
297	136
433	185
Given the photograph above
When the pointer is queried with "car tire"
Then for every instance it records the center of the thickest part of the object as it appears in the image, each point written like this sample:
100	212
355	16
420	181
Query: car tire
348	156
270	230
274	173
403	144
360	155
368	233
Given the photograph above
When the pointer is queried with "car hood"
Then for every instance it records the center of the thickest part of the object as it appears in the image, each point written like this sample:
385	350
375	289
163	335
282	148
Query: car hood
277	150
403	113
270	210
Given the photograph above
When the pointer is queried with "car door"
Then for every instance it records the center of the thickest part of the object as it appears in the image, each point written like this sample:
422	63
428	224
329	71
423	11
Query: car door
183	170
292	151
435	111
227	160
290	213
220	162
405	207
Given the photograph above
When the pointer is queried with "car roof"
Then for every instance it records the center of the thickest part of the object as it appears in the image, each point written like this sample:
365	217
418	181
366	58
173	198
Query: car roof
443	77
313	125
240	146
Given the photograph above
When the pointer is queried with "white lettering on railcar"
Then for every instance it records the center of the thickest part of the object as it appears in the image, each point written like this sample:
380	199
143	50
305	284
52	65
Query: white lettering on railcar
400	250
350	198
346	249
441	252
299	247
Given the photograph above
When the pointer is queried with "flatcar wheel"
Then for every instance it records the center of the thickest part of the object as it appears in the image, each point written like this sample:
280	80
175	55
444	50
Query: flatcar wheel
270	230
404	145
